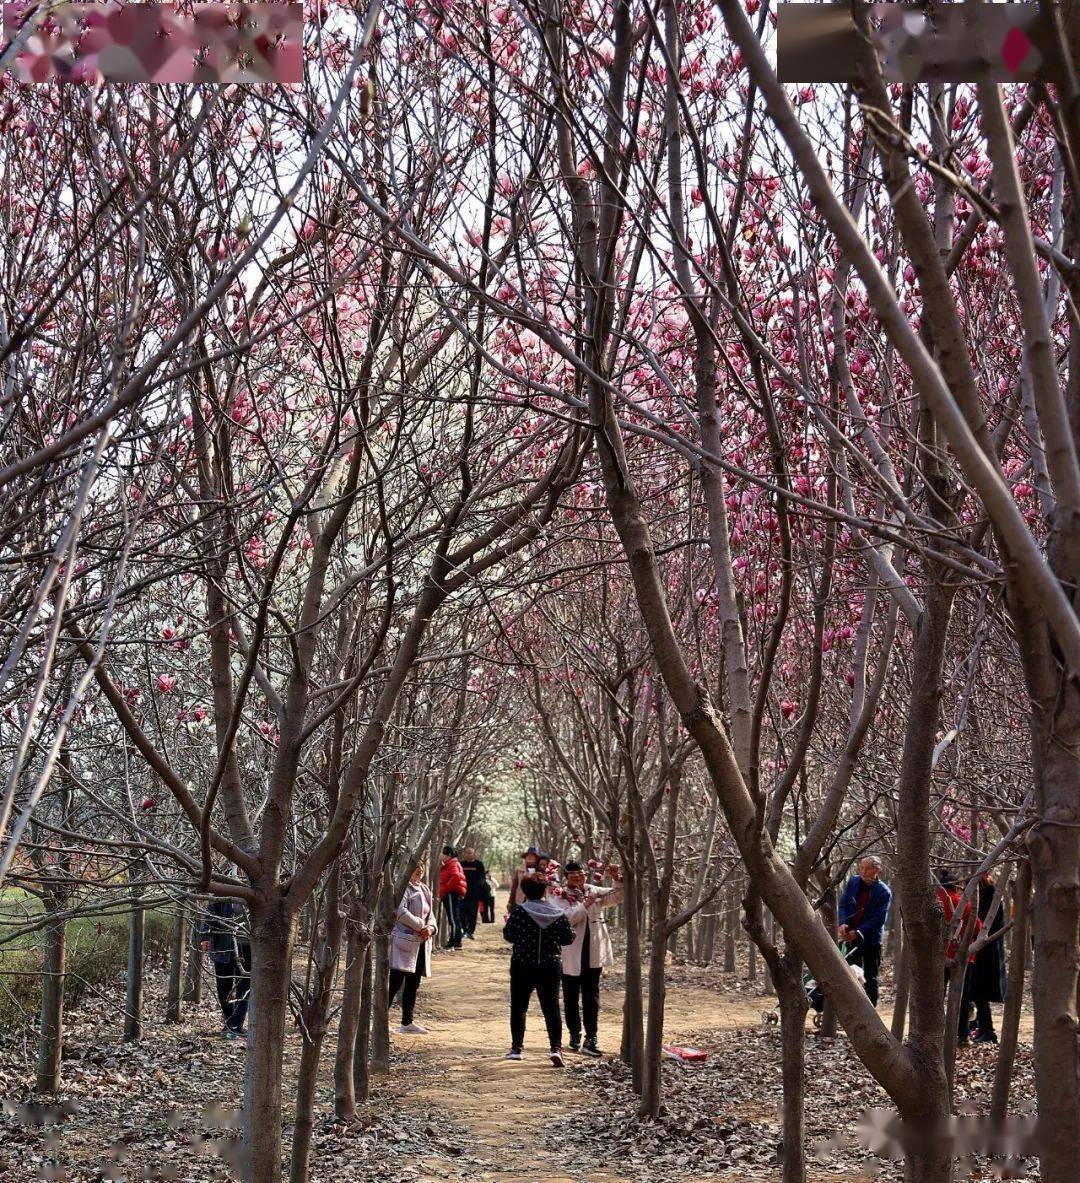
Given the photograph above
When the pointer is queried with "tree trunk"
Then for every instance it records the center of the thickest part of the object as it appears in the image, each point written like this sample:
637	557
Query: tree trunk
136	941
901	978
307	921
380	1008
793	1008
633	1037
1014	998
829	1023
731	929
51	1032
316	1024
1054	856
707	940
271	973
176	967
304	1119
954	993
348	1022
193	967
929	1159
785	972
361	1057
751	961
1054	848
652	1059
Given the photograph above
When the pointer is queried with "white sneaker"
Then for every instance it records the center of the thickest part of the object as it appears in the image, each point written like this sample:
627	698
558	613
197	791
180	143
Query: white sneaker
556	1059
412	1029
514	1054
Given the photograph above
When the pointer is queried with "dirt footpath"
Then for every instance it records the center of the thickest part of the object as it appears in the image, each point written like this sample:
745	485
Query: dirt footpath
465	1005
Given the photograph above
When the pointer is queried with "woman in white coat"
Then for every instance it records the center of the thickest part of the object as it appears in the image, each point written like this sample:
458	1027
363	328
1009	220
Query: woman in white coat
410	948
583	962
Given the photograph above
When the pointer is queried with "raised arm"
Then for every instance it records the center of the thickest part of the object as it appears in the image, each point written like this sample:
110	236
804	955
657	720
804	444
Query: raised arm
609	896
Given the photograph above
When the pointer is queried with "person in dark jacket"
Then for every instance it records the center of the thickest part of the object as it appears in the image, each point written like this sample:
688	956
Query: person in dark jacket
223	935
988	970
475	889
864	908
538	930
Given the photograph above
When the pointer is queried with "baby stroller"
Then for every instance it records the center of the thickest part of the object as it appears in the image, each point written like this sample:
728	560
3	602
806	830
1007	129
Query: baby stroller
815	996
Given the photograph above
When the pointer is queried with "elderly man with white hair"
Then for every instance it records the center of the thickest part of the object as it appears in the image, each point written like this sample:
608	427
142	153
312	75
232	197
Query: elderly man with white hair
864	908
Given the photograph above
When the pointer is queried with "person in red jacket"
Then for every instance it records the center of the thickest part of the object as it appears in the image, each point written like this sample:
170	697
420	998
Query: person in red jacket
951	897
452	889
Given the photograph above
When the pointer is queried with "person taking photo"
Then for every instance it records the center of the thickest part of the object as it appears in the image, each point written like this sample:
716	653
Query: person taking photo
584	961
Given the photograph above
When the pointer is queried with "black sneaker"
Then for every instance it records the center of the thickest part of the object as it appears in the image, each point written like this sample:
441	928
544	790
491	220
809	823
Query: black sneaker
989	1037
574	1046
589	1048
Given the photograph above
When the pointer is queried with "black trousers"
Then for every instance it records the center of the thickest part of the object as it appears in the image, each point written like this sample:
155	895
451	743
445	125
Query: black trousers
411	983
869	958
470	907
524	979
586	988
452	905
233	982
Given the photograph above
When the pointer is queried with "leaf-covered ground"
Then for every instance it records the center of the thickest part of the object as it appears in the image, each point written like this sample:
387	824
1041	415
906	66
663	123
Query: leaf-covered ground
722	1118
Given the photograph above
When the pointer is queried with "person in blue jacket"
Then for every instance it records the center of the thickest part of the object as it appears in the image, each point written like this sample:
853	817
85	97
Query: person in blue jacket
864	908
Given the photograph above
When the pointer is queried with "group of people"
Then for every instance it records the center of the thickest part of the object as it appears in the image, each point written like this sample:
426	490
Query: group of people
560	943
465	890
864	910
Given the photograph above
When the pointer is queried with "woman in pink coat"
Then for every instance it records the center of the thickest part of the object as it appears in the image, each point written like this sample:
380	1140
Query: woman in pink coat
410	948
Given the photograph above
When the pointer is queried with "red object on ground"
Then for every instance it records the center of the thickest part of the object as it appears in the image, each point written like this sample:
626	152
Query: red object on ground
689	1055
